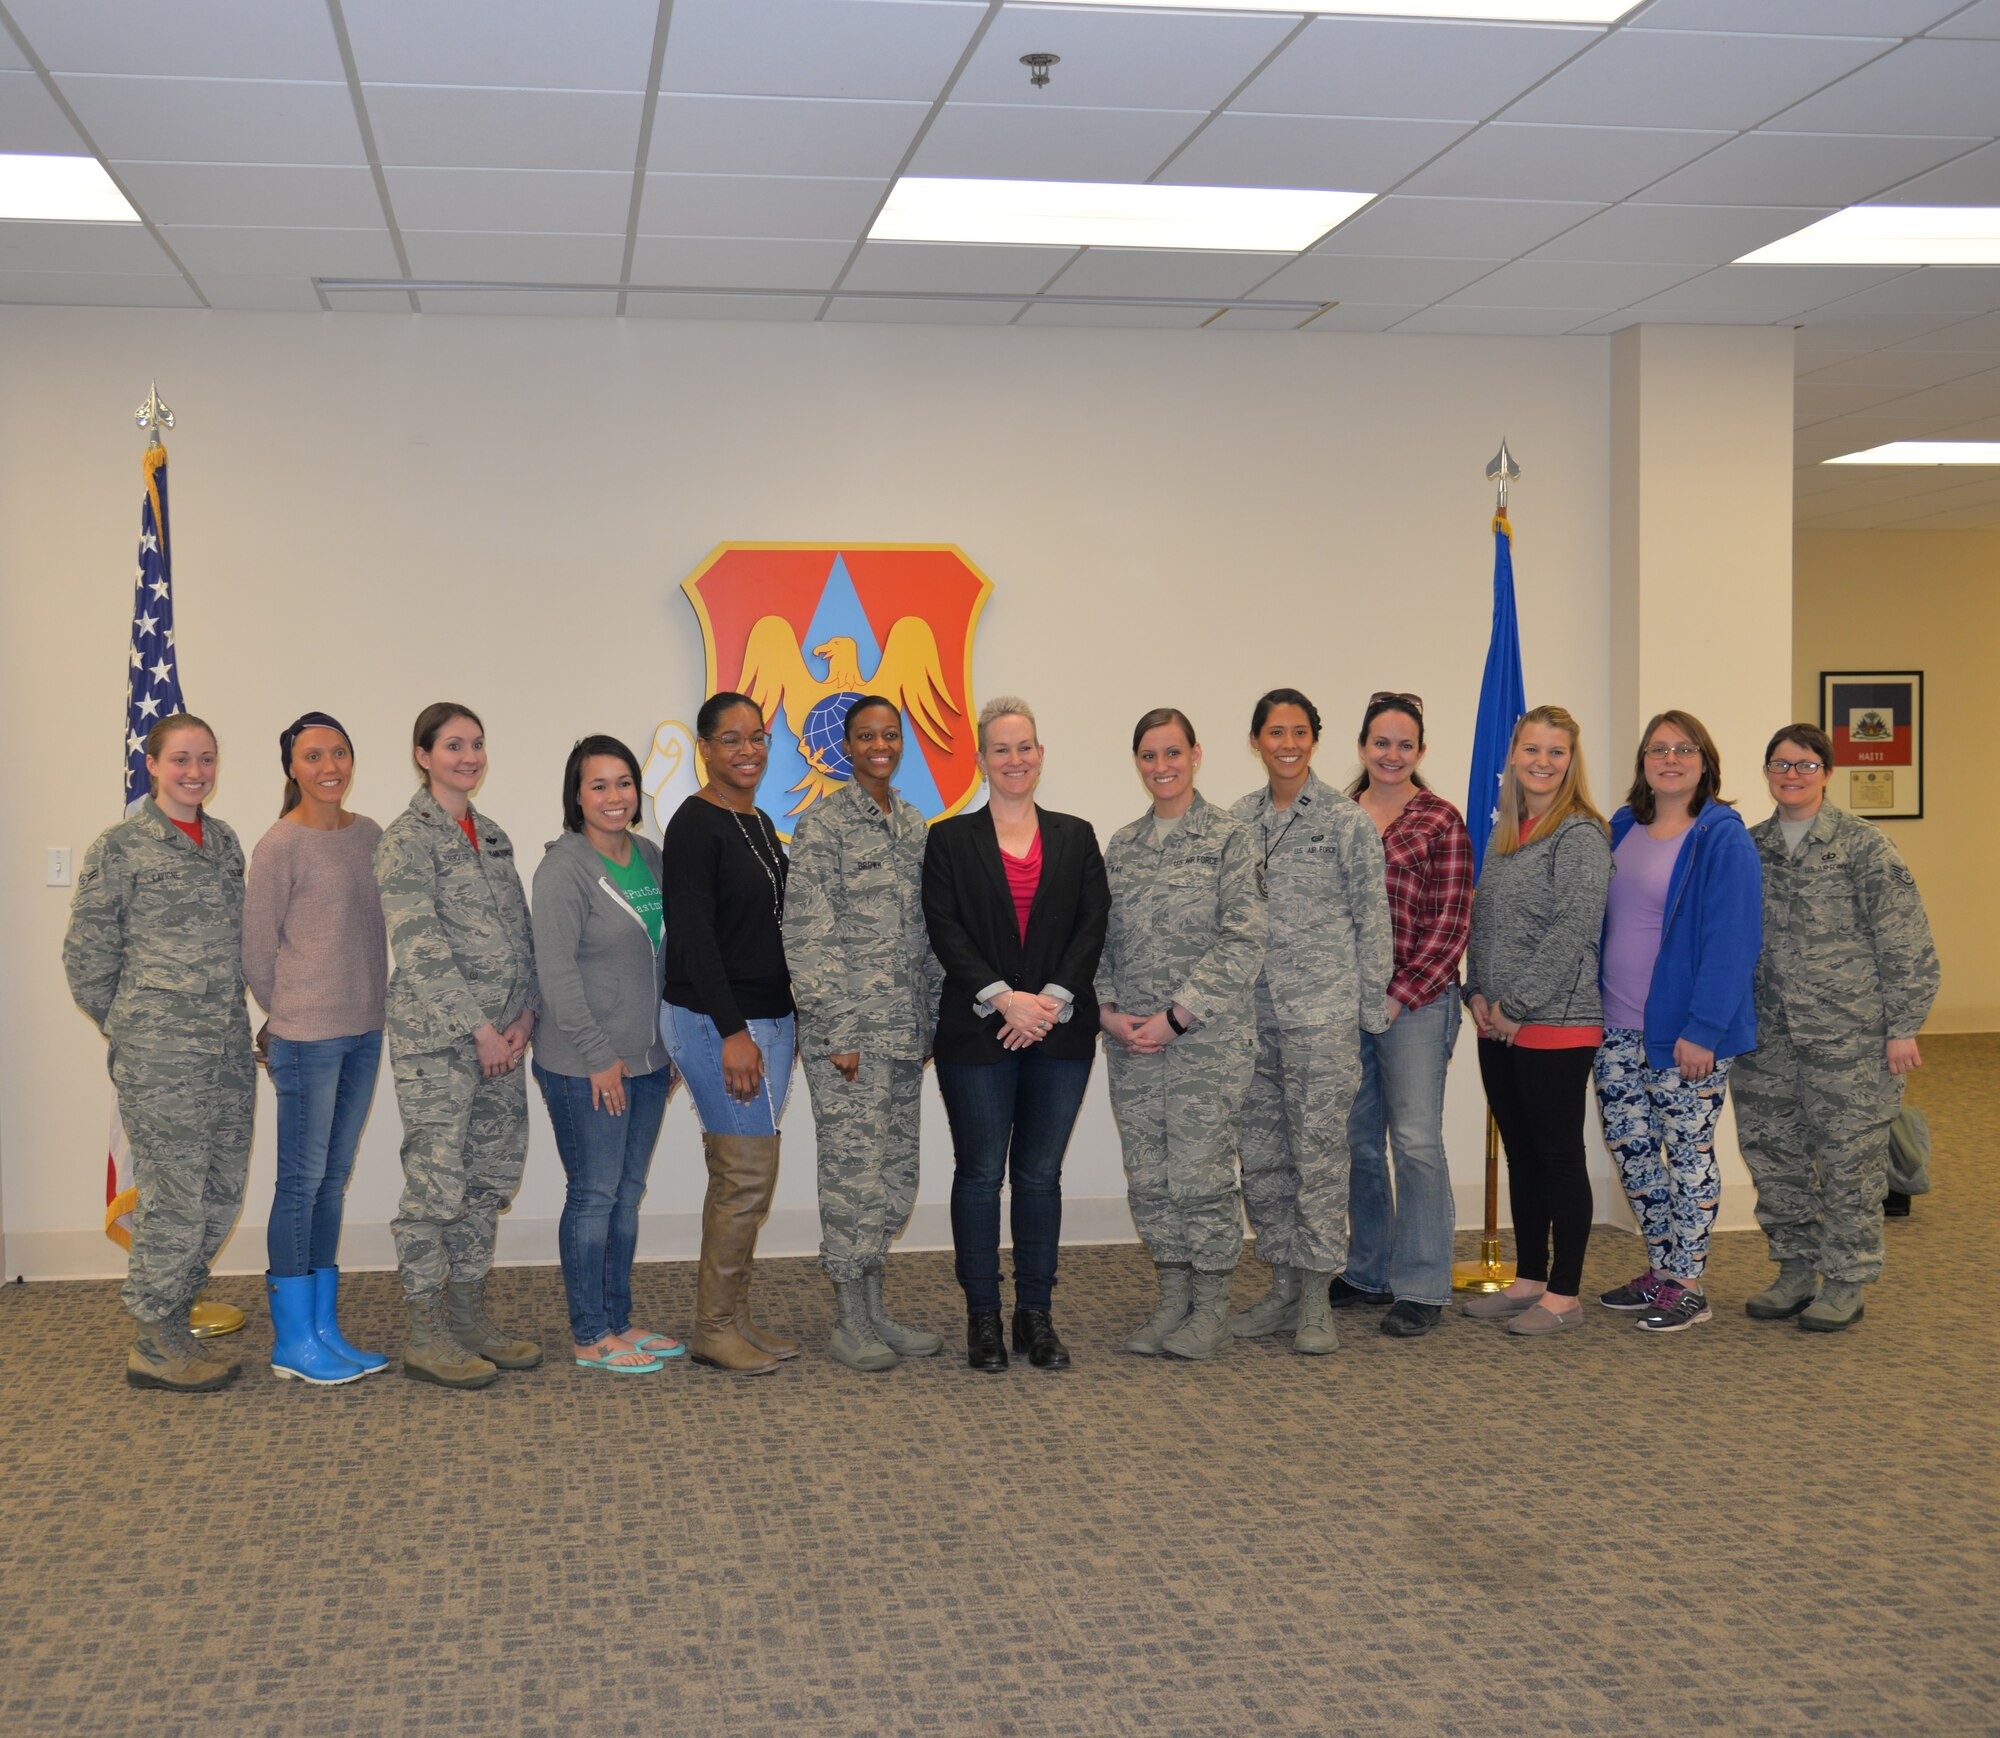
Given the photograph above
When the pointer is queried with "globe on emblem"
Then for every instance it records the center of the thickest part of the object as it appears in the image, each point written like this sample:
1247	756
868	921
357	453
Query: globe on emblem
821	741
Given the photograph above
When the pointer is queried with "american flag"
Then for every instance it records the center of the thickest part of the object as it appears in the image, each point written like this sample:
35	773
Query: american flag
153	681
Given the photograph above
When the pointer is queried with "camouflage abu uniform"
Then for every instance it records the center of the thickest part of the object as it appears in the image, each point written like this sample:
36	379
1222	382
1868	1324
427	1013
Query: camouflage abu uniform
154	955
1847	965
1325	978
1188	925
864	979
464	955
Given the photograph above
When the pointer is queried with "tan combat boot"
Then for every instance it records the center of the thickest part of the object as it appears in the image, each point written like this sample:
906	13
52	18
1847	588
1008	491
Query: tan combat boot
433	1355
164	1355
742	1172
475	1330
1176	1291
1206	1330
1276	1310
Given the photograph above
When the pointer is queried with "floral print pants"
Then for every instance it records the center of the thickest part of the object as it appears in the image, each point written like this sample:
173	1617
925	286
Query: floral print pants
1661	1131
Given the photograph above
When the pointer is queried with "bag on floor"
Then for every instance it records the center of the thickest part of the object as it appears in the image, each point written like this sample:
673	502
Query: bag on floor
1909	1153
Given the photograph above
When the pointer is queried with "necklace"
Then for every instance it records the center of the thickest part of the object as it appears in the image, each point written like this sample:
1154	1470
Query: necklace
770	868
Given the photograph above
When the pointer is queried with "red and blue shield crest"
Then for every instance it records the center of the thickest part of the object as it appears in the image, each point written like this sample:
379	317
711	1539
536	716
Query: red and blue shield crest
806	628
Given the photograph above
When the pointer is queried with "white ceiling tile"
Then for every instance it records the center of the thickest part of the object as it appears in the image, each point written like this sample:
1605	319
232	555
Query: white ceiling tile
772	308
1360	317
781	136
262	39
467	127
1942	290
292	294
1257	320
1595	163
1016	142
606	45
96	290
326	253
1954	402
1759	294
500	257
1981	428
1111	314
11	58
795	206
1813	403
1691	234
585	305
1906	368
1121	58
579	202
1132	271
124	248
900	265
1454	228
1500	322
738	264
1663	78
1800	17
1979	333
30	121
1981	20
1942	87
306	197
899	311
1803	169
1973	179
1535	283
1363	278
818	48
216	120
1329	151
368	301
1984	518
1424	71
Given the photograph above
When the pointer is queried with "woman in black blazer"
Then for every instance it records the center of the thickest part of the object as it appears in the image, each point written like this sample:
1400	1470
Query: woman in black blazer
1016	901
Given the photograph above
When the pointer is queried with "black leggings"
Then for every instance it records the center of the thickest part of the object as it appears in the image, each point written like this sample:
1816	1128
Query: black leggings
1537	1098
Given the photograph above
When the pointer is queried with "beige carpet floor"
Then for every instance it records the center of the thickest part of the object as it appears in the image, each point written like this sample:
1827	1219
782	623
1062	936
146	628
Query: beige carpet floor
1741	1530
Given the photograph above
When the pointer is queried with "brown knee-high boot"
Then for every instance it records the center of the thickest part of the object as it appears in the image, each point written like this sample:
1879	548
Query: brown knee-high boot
742	1174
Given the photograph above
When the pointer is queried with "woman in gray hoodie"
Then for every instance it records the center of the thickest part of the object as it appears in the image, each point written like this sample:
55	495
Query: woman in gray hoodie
1531	983
599	1060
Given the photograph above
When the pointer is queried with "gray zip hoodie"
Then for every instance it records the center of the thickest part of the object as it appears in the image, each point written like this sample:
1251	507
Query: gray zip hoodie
600	973
1537	919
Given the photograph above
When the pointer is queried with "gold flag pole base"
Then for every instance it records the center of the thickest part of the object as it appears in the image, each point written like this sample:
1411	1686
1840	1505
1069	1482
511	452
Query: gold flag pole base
1488	1273
210	1320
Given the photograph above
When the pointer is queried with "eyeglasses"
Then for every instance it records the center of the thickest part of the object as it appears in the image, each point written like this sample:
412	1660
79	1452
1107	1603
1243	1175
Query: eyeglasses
1778	768
1412	701
733	740
1679	750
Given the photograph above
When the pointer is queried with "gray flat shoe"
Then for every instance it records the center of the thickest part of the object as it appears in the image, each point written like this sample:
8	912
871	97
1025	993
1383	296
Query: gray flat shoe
1546	1321
1495	1306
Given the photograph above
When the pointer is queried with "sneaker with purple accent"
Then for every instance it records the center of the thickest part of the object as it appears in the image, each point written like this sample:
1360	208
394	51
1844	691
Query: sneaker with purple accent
1675	1306
1634	1294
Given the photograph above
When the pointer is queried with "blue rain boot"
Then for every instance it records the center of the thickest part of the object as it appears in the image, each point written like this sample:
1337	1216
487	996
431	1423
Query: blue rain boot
326	1322
295	1348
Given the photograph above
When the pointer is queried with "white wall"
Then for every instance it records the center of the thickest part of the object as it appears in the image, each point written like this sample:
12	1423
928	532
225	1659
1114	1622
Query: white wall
372	512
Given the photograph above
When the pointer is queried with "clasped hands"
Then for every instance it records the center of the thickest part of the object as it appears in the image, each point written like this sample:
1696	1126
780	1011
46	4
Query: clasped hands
1026	1018
1143	1034
501	1052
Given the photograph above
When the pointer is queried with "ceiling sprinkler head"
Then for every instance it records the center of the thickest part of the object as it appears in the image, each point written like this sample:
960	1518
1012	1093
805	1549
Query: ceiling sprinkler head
1038	67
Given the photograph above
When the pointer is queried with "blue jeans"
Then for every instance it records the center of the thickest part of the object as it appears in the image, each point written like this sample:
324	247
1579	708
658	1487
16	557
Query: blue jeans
1013	1114
1399	1240
696	1047
324	1087
606	1159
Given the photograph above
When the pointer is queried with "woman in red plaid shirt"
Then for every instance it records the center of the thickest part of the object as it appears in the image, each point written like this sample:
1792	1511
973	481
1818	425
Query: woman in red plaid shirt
1399	1246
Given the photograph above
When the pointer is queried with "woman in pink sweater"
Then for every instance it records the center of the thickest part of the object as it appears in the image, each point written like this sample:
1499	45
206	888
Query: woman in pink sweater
316	958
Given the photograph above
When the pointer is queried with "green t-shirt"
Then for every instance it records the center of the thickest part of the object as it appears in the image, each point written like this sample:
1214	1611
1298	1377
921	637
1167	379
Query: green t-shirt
641	891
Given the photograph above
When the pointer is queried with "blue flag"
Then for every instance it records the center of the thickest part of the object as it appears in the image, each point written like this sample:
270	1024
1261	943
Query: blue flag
1502	700
152	682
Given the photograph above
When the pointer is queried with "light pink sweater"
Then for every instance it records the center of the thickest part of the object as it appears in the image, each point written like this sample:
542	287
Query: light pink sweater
314	948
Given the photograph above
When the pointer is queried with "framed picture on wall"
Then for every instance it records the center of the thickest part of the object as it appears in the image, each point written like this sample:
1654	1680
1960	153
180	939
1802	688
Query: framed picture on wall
1876	721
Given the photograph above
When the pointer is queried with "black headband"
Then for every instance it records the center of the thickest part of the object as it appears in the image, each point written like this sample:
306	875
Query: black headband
299	725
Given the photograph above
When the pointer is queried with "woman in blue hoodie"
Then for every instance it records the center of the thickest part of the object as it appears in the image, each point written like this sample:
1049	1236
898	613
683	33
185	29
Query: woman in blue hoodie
1682	930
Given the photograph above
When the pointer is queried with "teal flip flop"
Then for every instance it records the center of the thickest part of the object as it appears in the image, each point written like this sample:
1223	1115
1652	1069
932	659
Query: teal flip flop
670	1348
608	1362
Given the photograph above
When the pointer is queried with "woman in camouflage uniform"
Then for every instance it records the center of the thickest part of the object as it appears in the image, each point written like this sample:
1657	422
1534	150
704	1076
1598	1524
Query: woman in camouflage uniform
1185	943
154	956
462	1004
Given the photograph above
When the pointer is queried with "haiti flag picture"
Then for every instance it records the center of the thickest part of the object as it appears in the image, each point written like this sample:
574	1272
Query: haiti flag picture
1873	724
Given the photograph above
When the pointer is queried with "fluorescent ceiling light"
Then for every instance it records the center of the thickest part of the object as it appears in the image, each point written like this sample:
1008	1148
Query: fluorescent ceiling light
1502	11
1890	235
1111	214
1924	453
60	190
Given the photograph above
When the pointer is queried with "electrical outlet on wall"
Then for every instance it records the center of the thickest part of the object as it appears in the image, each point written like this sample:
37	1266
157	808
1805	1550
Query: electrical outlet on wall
58	866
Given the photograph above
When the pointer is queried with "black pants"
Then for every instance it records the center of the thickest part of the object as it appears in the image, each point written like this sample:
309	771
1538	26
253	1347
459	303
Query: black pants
1538	1098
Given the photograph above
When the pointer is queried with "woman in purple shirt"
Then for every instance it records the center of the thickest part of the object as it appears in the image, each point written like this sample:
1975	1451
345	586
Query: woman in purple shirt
1682	929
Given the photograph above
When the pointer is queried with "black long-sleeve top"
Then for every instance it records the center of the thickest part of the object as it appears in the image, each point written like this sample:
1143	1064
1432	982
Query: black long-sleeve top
725	946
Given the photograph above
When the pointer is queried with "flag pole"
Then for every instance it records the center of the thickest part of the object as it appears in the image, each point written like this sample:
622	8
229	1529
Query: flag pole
1489	1272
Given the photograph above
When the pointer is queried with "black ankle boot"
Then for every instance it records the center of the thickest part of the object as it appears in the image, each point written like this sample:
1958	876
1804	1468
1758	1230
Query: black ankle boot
984	1347
1035	1334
